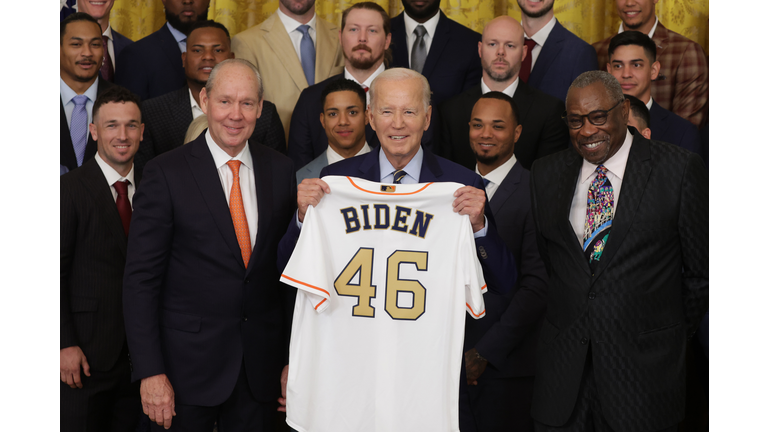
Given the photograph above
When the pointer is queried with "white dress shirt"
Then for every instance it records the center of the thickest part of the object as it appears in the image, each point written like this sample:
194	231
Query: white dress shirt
291	26
509	91
181	38
366	83
196	110
67	94
334	157
650	33
410	25
247	181
497	176
113	177
110	45
540	38
650	103
616	166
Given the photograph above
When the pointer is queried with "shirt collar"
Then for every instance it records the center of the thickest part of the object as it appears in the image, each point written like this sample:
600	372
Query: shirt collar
500	173
509	91
430	25
650	103
333	157
650	33
67	93
541	36
220	157
616	164
291	24
179	36
193	102
370	79
413	168
108	32
111	175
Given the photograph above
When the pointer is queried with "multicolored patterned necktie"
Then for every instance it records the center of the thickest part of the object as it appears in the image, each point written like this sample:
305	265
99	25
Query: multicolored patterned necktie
597	224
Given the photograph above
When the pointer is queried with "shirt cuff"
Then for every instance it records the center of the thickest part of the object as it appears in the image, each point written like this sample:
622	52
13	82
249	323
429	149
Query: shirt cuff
299	224
478	234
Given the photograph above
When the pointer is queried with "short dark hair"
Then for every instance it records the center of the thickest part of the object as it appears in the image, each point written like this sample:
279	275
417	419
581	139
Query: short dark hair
631	37
209	23
384	16
115	93
342	85
77	16
639	110
503	97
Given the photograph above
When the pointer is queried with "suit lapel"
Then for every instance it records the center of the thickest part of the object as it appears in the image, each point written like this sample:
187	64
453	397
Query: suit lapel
96	184
507	187
182	117
442	35
207	179
567	187
67	152
549	51
278	39
324	59
658	120
369	167
523	99
171	48
430	168
632	188
263	178
399	42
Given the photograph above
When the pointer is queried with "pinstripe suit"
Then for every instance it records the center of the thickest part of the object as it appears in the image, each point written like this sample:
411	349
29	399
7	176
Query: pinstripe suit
93	248
167	117
67	155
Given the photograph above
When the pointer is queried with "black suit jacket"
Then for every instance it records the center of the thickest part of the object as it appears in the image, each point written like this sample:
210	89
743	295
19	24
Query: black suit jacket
497	262
563	57
92	251
644	299
508	333
544	131
453	63
119	42
192	309
67	155
167	117
669	127
152	66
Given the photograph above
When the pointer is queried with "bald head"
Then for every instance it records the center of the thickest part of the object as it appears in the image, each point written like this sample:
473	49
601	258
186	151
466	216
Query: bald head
502	51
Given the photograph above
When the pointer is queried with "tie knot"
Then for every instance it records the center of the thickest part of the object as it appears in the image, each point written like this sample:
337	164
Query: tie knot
104	39
80	100
365	88
530	43
234	165
304	29
398	176
601	169
121	187
486	181
420	30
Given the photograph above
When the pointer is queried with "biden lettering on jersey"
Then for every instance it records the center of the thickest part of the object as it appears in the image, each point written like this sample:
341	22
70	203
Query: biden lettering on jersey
382	216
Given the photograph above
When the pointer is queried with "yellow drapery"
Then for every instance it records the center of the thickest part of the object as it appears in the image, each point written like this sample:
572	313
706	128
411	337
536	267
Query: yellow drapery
592	20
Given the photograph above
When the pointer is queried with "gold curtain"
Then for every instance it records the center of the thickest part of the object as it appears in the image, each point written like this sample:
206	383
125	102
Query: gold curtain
592	20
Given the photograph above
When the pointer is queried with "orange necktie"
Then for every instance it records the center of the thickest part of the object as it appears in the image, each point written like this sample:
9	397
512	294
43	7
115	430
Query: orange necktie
238	213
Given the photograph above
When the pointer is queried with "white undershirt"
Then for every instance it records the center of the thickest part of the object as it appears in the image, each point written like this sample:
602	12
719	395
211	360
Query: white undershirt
410	25
110	45
196	110
497	176
247	181
291	26
113	176
509	91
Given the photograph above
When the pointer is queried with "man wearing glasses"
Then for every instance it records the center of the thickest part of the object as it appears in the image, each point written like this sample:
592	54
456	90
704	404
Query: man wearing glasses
629	283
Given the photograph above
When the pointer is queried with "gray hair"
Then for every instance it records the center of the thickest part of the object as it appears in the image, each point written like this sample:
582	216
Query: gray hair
608	81
243	62
402	74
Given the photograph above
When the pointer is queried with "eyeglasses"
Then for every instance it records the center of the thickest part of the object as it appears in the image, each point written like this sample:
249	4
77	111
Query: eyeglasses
597	117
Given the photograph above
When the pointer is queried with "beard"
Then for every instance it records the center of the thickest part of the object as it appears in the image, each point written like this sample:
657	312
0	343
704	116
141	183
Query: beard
361	63
538	14
297	9
487	160
184	27
500	76
426	13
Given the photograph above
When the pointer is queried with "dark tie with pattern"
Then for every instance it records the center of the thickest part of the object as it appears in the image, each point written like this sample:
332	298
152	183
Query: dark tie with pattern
419	50
597	224
307	49
123	204
107	69
525	68
398	176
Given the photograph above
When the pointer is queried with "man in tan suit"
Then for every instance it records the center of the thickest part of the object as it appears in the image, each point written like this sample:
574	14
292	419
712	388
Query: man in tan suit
276	46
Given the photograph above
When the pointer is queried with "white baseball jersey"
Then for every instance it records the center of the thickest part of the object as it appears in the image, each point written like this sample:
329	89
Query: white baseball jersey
384	274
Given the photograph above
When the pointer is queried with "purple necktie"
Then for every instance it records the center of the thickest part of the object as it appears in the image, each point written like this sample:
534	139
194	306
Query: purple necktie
78	127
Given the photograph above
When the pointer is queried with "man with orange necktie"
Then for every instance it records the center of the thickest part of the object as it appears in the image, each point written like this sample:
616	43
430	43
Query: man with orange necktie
205	318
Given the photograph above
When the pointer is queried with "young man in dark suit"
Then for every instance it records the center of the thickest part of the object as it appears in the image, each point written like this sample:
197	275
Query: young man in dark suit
622	228
115	42
167	117
96	388
152	66
206	318
500	348
81	55
502	52
444	53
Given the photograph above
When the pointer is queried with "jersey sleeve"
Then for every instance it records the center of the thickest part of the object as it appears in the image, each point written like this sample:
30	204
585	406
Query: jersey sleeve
474	282
307	269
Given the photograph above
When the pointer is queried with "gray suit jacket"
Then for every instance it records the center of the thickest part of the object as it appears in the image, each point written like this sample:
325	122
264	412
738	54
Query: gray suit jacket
312	169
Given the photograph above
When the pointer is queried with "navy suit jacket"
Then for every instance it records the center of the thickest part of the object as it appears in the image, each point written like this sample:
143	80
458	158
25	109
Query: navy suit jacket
152	66
67	155
669	127
452	65
192	309
562	59
119	42
497	262
508	333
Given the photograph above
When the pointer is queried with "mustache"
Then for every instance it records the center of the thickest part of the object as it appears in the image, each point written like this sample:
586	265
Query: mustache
593	138
362	47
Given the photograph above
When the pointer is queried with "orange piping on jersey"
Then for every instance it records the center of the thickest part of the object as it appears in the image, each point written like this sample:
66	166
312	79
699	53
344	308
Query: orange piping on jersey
473	312
388	193
318	305
483	287
307	285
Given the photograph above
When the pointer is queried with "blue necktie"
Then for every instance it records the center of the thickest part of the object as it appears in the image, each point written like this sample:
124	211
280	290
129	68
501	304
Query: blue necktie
486	181
78	127
307	49
398	176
